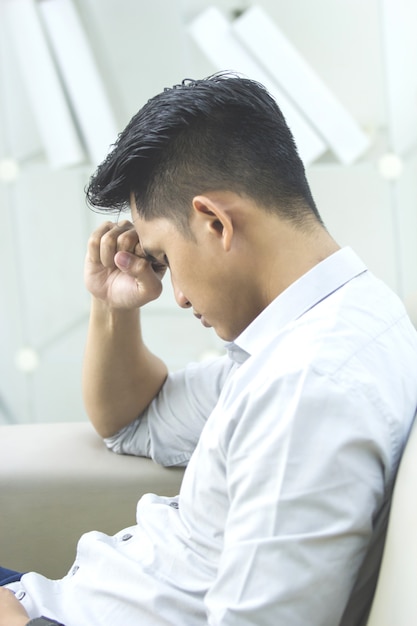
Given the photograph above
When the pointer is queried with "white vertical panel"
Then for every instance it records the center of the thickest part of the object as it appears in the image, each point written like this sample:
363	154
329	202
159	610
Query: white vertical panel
298	79
404	197
399	40
50	108
50	222
13	383
213	34
57	394
354	203
80	74
19	137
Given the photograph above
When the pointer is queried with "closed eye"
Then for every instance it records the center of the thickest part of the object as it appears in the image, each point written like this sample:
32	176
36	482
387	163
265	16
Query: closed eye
159	267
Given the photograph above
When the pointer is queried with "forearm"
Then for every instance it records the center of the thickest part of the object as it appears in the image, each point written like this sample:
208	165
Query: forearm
120	375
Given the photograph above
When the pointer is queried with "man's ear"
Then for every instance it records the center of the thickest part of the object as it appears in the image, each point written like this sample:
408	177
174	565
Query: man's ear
214	215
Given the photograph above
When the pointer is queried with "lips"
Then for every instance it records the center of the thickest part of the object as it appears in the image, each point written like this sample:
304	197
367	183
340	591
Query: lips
202	320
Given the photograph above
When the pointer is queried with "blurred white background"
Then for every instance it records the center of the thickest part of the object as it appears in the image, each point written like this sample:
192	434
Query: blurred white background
356	56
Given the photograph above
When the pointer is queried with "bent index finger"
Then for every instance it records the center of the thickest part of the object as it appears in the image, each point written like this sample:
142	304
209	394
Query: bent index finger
112	241
94	241
128	240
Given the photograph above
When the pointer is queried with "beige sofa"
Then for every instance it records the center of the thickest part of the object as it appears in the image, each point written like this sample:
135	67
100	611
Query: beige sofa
58	481
395	600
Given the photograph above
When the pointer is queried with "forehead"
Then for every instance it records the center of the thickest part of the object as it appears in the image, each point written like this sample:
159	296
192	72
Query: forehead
154	229
180	220
157	235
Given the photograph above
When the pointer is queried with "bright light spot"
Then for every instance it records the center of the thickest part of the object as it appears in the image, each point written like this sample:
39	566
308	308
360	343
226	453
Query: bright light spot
27	360
9	170
390	166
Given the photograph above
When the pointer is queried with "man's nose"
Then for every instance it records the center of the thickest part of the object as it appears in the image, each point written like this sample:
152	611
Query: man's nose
181	299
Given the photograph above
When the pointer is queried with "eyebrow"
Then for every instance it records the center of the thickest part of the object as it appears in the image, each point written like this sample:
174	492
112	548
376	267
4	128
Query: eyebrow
149	257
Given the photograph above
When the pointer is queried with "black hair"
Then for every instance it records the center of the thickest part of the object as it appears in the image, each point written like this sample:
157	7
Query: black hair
224	132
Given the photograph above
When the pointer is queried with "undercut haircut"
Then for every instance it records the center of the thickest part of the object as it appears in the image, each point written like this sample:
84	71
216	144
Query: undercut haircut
221	133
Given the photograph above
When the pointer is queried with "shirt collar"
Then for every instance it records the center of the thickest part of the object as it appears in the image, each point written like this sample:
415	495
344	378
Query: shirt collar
315	285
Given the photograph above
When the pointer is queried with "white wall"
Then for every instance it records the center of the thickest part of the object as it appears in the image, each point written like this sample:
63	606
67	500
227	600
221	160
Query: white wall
141	47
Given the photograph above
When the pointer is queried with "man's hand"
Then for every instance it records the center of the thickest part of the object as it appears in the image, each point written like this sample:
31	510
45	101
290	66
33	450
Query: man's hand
12	612
115	269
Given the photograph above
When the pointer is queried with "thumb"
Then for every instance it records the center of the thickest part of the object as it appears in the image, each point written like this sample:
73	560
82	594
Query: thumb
125	261
147	282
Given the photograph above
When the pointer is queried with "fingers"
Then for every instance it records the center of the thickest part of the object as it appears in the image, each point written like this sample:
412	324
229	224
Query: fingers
116	269
109	239
126	261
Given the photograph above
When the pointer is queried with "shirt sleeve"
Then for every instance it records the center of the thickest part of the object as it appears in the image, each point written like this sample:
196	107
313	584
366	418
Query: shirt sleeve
302	500
169	429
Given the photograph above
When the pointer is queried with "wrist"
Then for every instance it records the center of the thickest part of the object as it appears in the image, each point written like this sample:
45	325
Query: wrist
103	307
110	317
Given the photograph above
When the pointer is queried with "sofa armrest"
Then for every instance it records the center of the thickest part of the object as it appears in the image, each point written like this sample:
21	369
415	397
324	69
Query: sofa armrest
58	481
395	597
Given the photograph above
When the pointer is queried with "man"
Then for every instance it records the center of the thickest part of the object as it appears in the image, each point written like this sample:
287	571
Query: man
292	440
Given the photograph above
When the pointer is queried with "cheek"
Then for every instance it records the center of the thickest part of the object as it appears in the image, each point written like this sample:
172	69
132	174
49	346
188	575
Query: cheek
187	272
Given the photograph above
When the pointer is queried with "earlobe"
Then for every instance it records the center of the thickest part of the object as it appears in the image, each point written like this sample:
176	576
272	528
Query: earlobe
215	217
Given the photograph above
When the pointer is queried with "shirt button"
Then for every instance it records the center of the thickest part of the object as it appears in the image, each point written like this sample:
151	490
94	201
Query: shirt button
20	595
75	569
174	505
127	537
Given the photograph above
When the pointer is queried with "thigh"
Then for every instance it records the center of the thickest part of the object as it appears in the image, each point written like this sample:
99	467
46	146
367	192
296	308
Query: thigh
8	576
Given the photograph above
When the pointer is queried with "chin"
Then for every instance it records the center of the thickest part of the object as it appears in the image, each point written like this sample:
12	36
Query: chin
225	335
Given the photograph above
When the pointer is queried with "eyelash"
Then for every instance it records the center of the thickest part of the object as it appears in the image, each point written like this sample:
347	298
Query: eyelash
160	267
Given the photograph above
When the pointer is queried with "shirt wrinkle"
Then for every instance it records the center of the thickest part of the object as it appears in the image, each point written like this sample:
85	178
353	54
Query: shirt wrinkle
292	442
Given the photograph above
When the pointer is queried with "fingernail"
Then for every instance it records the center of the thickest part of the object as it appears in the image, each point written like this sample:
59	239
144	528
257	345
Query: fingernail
123	260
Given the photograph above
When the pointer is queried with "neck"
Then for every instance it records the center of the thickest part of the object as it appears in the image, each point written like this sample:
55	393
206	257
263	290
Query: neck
288	252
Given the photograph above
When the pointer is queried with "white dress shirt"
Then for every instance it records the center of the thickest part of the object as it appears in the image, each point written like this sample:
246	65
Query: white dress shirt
292	443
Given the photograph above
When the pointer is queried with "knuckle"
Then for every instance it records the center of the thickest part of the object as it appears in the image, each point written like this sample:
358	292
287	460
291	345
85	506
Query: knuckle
110	237
123	224
127	239
97	235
